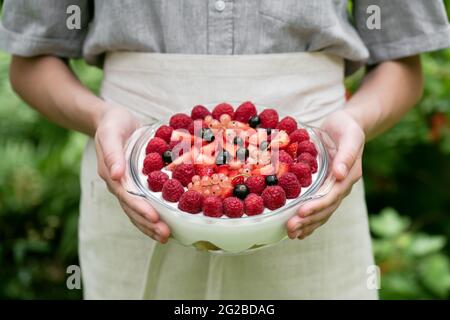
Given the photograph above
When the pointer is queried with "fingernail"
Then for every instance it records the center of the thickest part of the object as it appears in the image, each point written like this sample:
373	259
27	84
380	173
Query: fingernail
158	231
342	169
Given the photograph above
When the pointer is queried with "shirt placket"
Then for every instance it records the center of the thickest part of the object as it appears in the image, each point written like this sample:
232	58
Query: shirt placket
220	27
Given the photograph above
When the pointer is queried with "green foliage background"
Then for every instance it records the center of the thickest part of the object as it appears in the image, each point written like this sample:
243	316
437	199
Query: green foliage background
407	177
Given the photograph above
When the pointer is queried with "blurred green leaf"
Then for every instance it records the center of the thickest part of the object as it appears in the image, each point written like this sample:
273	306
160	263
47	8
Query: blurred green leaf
388	223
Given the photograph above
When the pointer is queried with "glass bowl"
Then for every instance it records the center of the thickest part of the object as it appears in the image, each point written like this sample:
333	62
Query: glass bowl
226	235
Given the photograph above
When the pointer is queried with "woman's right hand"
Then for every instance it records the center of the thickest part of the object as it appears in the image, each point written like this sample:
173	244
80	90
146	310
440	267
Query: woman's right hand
114	128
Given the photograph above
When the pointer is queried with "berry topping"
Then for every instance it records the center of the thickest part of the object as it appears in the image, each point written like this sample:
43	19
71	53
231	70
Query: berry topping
164	132
157	145
208	135
184	173
152	162
223	108
287	124
240	191
223	157
167	156
212	206
156	180
290	185
238	141
204	169
199	112
253	205
309	159
271	180
299	135
269	118
285	157
191	201
245	111
180	121
256	184
307	146
292	149
172	190
303	173
263	145
274	197
254	122
242	154
196	127
233	207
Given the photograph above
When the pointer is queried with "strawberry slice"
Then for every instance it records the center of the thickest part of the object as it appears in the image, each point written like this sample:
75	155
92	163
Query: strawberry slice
224	168
266	170
282	169
227	191
204	170
292	150
182	134
239	179
280	141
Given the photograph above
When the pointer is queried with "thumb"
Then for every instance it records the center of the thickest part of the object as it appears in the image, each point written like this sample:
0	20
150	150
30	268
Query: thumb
348	152
111	143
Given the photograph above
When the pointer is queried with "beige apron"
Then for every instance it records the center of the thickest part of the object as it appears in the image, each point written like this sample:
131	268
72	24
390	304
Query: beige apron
119	262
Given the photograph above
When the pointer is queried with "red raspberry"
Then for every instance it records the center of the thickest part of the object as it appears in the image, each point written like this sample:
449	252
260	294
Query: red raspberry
287	124
172	190
298	135
191	202
309	159
199	112
233	207
223	108
268	118
245	111
292	149
284	157
307	146
256	184
253	204
303	172
152	162
164	132
157	145
274	197
184	173
290	185
213	207
156	180
196	126
180	121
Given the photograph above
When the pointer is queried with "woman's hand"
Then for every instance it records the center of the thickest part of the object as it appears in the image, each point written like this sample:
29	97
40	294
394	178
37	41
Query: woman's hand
113	130
346	168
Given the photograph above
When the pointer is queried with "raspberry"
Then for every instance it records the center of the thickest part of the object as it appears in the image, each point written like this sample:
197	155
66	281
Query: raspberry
196	126
212	206
223	108
180	121
253	204
268	118
303	172
307	146
309	159
233	207
156	180
245	111
172	190
191	202
152	162
284	157
157	145
164	132
287	124
255	184
299	135
290	185
274	197
184	173
199	112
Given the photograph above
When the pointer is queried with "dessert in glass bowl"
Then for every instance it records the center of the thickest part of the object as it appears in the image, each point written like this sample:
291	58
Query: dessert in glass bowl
227	180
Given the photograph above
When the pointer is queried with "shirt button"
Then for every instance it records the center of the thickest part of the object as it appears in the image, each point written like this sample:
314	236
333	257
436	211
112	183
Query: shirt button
220	5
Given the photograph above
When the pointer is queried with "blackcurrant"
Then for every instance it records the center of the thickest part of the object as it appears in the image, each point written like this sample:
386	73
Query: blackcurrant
167	156
263	145
271	180
241	191
238	141
242	154
254	121
269	131
208	135
223	157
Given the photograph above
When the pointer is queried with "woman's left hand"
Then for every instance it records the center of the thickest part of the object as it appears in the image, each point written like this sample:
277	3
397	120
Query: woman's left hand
346	167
